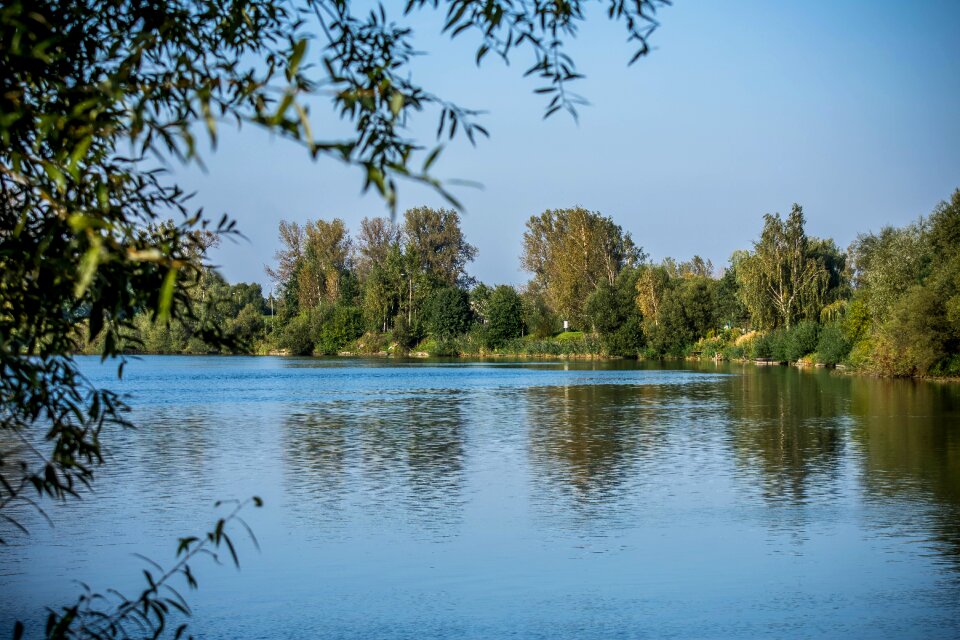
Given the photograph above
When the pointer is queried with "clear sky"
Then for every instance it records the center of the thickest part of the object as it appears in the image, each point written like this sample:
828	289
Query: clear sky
850	108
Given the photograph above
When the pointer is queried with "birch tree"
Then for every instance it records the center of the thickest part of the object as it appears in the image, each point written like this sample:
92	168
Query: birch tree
782	281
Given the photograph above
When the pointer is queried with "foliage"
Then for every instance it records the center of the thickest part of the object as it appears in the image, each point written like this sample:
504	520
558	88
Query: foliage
802	340
614	315
504	314
832	346
335	327
448	313
903	318
730	310
679	303
570	252
785	278
538	318
296	336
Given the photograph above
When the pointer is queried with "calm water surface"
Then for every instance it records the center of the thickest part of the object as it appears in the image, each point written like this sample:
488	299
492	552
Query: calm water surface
523	500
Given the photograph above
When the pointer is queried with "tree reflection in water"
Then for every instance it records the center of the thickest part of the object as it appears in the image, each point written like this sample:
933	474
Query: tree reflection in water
400	454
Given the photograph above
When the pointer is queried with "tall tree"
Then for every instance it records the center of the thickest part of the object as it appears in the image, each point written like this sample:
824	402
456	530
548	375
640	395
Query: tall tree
326	255
504	314
570	252
782	281
437	246
374	241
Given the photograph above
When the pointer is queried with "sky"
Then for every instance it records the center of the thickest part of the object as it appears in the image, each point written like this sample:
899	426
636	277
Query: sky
849	108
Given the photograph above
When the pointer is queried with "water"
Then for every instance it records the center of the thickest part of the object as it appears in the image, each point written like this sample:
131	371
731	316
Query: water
522	500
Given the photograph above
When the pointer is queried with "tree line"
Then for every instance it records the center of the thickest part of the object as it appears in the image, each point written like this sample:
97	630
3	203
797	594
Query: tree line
889	303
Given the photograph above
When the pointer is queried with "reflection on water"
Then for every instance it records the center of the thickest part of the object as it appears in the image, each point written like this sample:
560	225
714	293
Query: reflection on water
789	430
909	434
589	500
403	452
588	445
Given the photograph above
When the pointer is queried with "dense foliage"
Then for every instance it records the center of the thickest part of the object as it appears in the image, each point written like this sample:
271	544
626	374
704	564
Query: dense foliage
889	305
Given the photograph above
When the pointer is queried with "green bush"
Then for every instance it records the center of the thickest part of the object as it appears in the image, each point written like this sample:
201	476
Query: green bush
295	337
801	340
832	347
504	314
734	352
626	341
338	327
779	345
448	313
761	347
403	334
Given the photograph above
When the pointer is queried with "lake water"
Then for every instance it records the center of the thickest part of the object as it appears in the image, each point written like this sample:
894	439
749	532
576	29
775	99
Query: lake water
522	500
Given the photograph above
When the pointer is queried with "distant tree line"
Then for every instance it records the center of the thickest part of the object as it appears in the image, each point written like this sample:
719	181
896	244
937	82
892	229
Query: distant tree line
889	304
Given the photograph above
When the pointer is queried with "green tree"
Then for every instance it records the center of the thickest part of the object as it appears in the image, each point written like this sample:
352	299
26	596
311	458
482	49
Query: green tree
448	313
570	252
326	252
538	318
336	327
435	255
904	318
614	315
782	280
504	313
434	240
730	309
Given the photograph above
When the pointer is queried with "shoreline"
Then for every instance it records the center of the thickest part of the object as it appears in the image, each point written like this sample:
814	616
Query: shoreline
423	355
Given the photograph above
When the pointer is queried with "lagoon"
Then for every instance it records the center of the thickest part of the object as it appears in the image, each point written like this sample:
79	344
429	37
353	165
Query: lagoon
459	499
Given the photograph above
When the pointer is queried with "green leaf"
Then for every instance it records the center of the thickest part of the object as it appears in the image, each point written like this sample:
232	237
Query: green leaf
53	172
299	48
166	294
88	266
431	158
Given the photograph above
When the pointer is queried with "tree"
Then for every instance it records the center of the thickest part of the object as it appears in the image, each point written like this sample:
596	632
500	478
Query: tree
434	240
907	300
435	255
782	280
679	303
570	252
504	313
652	285
448	313
374	242
614	314
731	311
325	259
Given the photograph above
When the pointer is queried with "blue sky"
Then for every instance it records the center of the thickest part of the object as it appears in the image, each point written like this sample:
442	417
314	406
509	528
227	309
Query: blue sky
849	108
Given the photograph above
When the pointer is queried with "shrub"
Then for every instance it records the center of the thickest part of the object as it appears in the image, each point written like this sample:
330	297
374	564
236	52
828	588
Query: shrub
448	312
403	333
627	340
801	340
734	352
832	347
779	341
337	327
504	310
760	346
296	336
